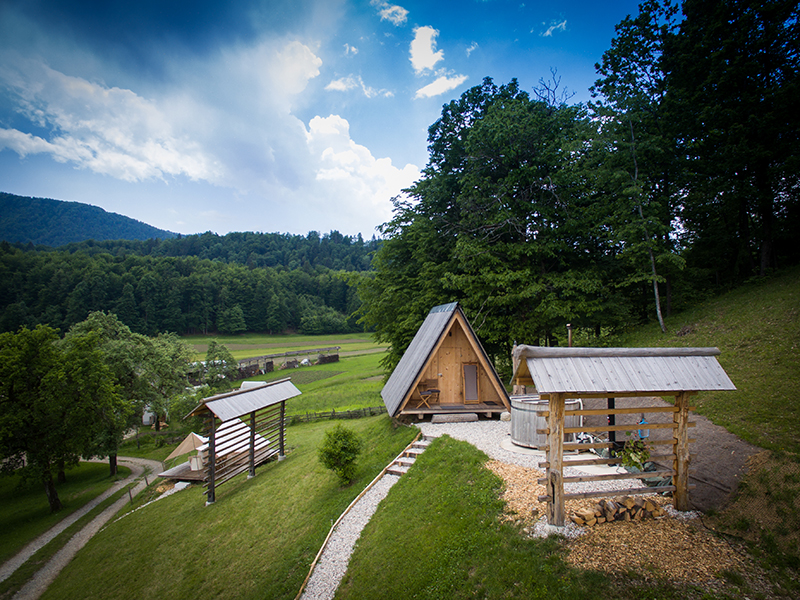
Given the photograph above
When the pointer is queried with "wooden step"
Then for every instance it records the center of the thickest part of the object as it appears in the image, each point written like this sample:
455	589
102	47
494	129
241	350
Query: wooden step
397	469
414	451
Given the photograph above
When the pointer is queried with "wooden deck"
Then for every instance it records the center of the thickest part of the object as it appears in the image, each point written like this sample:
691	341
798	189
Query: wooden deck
486	408
183	472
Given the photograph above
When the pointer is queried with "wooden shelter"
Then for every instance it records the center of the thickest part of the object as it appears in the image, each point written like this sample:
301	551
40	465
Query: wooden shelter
558	374
444	370
245	429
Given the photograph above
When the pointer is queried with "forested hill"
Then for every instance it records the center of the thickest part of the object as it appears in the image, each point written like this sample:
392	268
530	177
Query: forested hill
279	250
46	222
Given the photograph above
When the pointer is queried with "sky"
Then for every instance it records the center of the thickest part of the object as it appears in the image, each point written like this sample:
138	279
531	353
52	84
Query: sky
262	115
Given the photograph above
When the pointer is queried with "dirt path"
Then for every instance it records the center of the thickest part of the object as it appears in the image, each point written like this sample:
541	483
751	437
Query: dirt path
720	456
45	576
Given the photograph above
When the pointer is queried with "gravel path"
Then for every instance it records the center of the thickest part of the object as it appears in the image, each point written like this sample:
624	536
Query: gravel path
332	564
45	576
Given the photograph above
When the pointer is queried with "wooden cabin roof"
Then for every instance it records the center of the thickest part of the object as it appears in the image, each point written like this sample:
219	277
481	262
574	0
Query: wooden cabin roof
244	401
416	357
621	370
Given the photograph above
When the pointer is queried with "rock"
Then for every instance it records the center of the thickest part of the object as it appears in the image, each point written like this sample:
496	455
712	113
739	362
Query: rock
505	416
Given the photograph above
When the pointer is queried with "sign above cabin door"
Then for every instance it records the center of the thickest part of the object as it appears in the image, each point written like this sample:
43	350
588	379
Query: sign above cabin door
471	395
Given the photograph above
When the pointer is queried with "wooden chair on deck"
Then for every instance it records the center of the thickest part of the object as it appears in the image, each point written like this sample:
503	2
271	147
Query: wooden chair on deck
428	392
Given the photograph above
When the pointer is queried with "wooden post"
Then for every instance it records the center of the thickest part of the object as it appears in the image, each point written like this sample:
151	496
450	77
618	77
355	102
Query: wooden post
555	453
282	450
680	498
252	445
212	460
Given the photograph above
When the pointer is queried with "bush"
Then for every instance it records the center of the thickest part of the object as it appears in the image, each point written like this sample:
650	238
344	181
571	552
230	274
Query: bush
339	451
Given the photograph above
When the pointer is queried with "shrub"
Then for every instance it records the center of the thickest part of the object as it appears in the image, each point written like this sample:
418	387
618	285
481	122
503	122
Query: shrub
339	451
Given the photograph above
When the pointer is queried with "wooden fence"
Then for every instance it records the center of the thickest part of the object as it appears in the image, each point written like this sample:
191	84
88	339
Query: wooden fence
347	414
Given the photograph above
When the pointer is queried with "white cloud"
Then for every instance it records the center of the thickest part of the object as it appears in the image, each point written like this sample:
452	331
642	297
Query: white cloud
352	82
472	48
348	49
397	15
440	86
554	26
357	181
110	131
423	55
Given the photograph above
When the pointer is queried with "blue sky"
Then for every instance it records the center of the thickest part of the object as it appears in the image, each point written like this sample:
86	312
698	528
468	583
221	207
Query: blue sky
261	115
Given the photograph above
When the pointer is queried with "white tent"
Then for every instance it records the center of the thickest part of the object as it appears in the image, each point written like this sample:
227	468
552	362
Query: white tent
189	444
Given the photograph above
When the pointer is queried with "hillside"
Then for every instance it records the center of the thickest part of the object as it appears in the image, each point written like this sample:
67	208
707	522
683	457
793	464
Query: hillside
54	223
757	329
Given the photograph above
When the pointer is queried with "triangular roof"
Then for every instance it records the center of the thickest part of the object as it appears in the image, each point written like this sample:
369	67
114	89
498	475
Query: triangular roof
407	373
576	371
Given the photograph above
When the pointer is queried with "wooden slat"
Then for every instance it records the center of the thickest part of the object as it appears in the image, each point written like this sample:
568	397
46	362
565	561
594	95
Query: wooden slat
632	427
603	461
612	411
611	493
577	446
613	477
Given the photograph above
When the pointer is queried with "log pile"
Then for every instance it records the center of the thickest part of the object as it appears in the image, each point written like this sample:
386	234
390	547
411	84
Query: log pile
625	508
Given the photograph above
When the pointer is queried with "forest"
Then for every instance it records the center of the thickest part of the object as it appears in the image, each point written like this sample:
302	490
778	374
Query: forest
679	180
194	284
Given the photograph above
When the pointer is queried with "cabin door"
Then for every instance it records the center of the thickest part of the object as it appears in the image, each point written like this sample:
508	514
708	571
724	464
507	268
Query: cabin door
471	395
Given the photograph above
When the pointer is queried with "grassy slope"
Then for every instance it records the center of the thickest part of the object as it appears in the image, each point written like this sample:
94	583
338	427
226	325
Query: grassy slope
257	541
26	513
757	329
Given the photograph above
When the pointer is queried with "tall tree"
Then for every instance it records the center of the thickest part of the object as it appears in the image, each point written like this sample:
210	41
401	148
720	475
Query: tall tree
634	163
499	222
48	396
734	80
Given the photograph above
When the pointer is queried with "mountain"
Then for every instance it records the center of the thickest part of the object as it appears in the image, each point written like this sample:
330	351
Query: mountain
54	223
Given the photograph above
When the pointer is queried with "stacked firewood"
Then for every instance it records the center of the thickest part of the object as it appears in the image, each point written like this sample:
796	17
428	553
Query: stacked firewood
618	509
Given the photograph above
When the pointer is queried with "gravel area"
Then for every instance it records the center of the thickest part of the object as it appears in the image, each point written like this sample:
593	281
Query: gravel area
332	565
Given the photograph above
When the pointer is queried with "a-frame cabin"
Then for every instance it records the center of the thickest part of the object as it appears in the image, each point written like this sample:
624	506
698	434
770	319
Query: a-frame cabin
445	370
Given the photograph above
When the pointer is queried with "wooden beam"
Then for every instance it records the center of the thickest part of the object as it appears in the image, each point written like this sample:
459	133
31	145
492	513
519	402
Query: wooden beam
680	498
210	495
556	514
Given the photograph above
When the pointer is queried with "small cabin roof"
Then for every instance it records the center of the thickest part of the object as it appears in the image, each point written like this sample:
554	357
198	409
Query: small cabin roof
244	401
621	370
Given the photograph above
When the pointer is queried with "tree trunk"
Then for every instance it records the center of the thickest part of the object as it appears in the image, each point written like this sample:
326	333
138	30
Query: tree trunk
50	490
62	475
112	464
158	425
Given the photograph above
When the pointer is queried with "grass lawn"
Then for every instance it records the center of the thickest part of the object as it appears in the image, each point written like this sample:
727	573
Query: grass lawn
757	329
25	513
256	541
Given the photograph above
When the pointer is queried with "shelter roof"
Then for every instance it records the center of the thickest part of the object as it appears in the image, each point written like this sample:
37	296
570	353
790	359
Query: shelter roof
244	401
622	370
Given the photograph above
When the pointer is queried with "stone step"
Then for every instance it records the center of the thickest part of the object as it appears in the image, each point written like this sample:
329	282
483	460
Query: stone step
405	461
